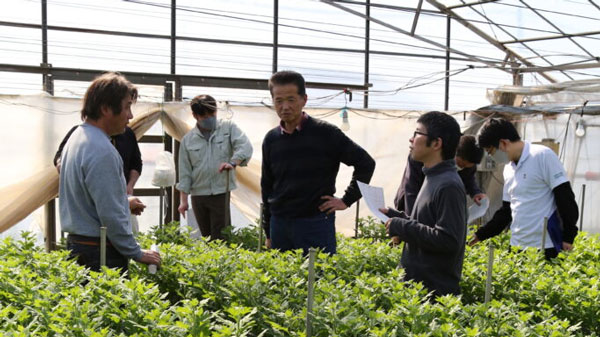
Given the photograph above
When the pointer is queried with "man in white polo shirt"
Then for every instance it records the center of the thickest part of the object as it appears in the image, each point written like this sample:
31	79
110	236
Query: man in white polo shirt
535	187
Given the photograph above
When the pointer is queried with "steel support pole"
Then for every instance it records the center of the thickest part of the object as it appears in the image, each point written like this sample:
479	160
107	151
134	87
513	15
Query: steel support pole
367	55
582	207
102	246
48	85
447	79
312	253
490	268
275	34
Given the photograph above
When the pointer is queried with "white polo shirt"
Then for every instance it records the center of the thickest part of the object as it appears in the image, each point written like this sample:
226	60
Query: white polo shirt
528	187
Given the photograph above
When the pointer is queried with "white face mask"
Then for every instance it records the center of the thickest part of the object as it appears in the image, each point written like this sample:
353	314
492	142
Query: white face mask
500	157
458	168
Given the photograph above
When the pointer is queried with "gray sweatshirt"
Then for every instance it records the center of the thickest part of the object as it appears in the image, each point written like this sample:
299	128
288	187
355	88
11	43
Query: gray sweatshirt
435	234
92	190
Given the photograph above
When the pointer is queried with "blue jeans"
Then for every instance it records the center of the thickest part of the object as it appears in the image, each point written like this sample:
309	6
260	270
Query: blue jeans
294	233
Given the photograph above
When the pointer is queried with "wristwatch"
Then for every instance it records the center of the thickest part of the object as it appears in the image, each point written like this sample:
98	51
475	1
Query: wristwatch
232	163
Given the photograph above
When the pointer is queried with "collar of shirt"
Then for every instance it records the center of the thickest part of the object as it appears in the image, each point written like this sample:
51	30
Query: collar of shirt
299	127
524	155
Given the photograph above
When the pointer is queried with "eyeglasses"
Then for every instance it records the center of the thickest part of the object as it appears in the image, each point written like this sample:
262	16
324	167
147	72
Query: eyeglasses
419	133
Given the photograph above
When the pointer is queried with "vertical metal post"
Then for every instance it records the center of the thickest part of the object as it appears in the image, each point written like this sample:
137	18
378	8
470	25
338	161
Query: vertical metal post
160	207
582	207
260	229
312	252
447	79
275	34
490	267
48	85
367	53
356	219
102	246
175	198
44	31
173	35
170	89
545	230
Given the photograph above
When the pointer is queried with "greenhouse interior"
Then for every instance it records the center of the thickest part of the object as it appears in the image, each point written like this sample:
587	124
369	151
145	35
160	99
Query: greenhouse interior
373	70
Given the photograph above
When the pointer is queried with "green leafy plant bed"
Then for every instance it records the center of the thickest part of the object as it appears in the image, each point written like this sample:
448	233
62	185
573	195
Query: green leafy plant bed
229	289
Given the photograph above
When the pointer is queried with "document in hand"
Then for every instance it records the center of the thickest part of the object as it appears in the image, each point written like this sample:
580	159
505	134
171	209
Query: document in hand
373	196
477	211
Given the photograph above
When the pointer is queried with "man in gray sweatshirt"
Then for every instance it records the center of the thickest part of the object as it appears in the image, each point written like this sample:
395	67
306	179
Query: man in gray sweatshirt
435	233
92	188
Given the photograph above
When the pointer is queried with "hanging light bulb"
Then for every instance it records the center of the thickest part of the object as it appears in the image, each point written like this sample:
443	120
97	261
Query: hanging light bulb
345	125
580	130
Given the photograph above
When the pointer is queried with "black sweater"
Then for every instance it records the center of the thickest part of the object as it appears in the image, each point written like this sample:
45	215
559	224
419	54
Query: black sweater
299	168
435	234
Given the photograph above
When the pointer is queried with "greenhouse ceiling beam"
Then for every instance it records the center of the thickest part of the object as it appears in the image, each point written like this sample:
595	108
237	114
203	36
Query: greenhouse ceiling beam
556	27
561	67
543	38
470	4
233	42
418	37
488	38
417	13
376	5
594	4
86	75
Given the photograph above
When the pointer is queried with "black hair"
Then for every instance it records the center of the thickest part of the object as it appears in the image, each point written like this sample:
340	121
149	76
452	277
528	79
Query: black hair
495	129
288	77
203	104
444	126
469	150
107	90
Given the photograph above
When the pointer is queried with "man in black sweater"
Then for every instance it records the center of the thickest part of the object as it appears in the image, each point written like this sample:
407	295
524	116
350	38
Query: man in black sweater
435	233
535	187
300	161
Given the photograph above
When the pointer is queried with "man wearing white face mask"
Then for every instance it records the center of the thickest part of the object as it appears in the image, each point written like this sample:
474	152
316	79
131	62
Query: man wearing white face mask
209	153
535	187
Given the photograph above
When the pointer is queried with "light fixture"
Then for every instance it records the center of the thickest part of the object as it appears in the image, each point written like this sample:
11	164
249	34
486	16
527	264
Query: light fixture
345	125
580	130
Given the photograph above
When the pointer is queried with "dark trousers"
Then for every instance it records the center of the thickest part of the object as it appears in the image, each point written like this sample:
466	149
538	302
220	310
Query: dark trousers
295	233
86	251
212	213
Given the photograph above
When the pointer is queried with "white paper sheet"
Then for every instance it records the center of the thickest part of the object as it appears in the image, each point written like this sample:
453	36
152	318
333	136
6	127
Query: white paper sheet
373	196
476	211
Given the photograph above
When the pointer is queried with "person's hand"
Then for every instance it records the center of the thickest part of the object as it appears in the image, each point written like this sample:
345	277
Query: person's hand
268	243
393	213
567	246
183	207
478	197
387	226
332	204
474	240
150	257
225	166
136	206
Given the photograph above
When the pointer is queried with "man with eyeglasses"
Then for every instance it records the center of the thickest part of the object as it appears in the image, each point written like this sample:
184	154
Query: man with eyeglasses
435	232
468	155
